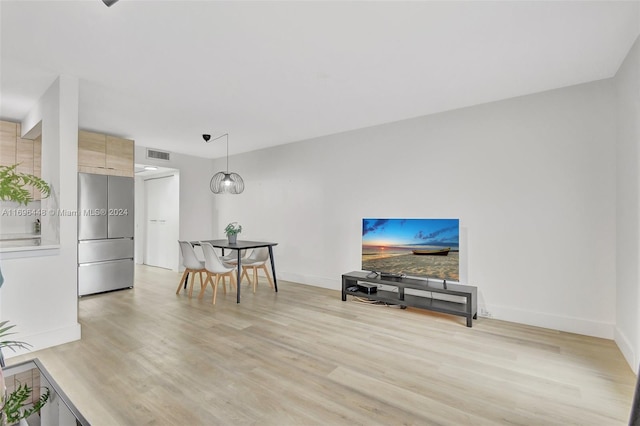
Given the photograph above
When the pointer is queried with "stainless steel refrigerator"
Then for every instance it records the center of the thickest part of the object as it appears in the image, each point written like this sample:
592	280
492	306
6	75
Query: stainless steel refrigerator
105	233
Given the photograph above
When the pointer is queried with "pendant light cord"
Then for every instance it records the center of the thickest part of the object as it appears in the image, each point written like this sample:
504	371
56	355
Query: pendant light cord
221	136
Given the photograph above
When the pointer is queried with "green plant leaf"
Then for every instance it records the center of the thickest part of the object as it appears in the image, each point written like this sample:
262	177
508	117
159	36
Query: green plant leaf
233	228
38	405
15	402
15	186
11	344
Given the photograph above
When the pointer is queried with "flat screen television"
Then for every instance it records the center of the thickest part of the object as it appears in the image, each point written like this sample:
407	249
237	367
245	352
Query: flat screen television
414	247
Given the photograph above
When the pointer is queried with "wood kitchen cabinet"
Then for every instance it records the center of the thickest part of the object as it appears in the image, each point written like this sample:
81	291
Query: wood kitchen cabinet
120	156
8	135
37	164
91	151
105	155
24	152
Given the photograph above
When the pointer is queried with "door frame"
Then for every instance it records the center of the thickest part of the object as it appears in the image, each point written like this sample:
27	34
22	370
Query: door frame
141	214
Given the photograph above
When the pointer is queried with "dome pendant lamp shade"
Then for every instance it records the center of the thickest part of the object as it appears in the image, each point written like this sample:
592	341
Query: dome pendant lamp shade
225	182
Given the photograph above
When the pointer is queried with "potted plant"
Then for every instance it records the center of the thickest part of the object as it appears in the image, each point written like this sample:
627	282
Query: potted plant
12	406
232	230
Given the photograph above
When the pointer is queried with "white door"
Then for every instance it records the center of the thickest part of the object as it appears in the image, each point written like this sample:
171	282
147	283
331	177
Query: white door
161	211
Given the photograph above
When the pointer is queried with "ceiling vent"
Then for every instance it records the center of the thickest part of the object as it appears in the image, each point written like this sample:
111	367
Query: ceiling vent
158	155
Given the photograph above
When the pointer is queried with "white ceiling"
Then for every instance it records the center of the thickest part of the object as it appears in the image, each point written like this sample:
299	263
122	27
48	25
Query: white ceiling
269	73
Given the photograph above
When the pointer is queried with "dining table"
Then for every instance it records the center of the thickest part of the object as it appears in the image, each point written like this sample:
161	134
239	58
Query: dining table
238	246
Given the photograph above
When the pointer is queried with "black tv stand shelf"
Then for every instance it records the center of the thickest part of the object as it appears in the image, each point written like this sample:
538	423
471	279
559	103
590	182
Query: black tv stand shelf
467	309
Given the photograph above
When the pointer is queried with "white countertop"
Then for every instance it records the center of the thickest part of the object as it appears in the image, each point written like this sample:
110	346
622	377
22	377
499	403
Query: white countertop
26	245
18	237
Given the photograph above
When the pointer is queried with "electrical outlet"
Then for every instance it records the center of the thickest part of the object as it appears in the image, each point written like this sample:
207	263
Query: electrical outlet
485	313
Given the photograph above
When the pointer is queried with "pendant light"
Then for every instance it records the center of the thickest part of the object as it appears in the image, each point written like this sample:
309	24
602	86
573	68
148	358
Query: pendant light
225	182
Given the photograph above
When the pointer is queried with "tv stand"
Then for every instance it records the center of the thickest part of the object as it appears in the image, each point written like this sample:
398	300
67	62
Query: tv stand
390	275
467	309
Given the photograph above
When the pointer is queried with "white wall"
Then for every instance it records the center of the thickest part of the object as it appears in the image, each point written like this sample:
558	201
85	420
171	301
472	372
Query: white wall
40	294
532	180
628	210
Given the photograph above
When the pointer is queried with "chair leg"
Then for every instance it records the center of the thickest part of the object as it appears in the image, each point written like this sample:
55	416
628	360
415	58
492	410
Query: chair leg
215	288
193	279
202	283
244	274
266	272
204	287
186	271
224	284
234	279
255	278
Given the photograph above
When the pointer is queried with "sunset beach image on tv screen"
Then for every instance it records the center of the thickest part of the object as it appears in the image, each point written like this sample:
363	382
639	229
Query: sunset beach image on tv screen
415	247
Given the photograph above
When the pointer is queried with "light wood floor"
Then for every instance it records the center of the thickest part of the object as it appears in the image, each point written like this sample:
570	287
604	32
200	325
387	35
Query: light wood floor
303	357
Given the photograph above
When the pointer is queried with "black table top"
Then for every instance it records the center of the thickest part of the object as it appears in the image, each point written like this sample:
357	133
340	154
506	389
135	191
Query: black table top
239	245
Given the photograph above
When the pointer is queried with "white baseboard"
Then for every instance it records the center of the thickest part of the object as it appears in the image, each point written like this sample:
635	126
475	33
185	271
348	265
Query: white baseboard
582	326
46	339
627	350
332	284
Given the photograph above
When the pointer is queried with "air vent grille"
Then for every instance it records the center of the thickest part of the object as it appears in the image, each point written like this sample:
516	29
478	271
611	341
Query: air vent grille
158	155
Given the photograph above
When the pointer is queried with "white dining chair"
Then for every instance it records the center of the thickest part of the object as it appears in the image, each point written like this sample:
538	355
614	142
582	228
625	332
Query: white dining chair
214	268
256	260
233	256
192	265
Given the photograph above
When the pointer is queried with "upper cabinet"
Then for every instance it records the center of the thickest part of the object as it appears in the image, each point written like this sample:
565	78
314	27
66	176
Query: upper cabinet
105	155
37	164
26	153
91	150
8	139
120	155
